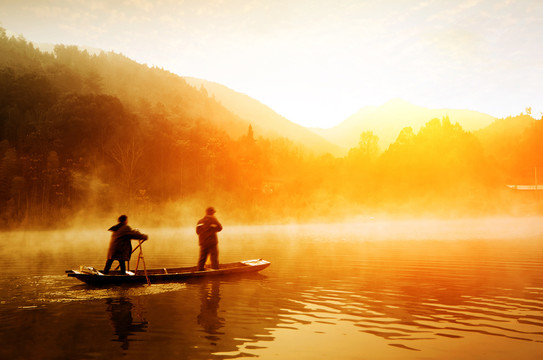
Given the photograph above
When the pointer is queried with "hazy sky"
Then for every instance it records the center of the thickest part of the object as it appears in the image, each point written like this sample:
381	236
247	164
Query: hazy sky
317	62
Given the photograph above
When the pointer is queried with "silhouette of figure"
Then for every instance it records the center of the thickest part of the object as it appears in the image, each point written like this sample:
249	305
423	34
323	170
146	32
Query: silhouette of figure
121	317
209	307
120	247
207	229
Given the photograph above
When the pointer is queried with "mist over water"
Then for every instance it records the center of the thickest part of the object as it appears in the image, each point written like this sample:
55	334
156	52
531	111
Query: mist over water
367	288
88	135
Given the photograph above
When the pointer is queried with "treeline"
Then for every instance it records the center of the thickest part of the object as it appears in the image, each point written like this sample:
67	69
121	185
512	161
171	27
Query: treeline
95	134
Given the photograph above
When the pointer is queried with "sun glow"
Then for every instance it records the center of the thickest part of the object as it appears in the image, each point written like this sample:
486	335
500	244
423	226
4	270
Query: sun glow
318	63
120	132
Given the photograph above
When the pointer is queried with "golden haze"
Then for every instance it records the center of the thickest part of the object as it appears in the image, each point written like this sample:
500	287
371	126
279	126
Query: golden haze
87	136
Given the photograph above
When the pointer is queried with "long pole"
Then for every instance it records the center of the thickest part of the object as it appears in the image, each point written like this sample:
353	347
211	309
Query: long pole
133	250
140	256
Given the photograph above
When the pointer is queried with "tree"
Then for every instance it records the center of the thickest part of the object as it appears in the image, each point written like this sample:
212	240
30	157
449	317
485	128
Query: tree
368	148
127	155
8	170
360	166
250	134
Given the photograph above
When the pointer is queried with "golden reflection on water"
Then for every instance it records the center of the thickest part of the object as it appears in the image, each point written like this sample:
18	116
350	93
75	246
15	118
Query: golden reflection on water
368	290
35	291
120	311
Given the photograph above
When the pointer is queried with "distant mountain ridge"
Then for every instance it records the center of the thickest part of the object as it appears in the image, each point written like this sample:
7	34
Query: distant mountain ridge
264	120
239	110
386	122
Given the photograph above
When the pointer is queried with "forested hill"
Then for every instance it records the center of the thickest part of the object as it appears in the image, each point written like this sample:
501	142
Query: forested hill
142	89
96	135
102	130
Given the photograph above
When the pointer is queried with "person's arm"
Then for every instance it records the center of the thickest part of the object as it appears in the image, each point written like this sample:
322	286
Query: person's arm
200	227
135	234
216	225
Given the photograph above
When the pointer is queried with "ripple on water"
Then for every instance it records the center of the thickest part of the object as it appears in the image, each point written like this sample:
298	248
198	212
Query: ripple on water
28	292
408	319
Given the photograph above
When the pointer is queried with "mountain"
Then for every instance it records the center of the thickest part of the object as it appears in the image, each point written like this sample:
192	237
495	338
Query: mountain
264	120
388	120
181	97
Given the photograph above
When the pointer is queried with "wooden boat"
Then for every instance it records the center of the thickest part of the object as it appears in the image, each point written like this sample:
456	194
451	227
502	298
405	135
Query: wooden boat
92	276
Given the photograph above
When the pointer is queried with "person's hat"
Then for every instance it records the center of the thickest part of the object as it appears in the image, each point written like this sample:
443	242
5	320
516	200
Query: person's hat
210	210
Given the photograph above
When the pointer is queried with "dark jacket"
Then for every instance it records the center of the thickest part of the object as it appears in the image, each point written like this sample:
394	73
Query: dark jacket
207	229
120	247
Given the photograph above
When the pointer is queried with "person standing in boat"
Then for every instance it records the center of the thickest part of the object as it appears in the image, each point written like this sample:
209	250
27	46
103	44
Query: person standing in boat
207	229
120	247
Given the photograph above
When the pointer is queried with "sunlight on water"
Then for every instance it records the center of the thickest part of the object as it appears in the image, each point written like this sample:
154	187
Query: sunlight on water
360	290
38	291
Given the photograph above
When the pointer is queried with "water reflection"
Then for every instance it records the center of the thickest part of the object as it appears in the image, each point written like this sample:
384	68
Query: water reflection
208	317
335	294
120	314
410	309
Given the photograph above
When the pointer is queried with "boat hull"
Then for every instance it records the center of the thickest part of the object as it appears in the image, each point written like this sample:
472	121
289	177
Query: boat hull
166	274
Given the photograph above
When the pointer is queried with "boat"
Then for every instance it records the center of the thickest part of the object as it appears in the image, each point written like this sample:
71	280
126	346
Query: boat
92	276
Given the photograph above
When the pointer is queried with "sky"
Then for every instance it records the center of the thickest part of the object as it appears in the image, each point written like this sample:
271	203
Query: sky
317	62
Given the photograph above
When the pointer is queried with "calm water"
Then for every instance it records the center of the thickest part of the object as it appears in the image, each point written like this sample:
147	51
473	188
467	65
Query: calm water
371	289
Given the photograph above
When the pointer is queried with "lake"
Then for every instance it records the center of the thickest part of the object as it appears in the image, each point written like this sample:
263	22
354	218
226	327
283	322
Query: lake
367	289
